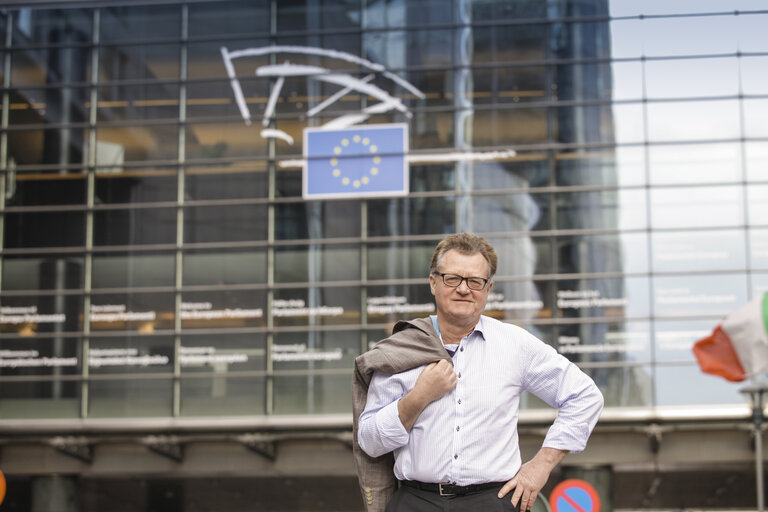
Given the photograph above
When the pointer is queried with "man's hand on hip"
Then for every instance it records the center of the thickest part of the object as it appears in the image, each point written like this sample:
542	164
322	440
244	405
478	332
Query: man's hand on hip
532	477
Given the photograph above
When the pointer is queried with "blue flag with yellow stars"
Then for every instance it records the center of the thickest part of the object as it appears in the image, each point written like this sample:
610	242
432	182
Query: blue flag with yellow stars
354	162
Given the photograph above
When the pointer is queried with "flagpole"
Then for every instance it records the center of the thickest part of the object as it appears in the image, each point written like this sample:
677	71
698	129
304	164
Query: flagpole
756	393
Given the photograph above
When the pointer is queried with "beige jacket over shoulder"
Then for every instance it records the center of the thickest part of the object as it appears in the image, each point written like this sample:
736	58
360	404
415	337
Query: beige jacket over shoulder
413	343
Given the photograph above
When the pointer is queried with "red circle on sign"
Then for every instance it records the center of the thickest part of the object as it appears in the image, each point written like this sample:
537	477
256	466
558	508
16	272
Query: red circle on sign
568	491
2	487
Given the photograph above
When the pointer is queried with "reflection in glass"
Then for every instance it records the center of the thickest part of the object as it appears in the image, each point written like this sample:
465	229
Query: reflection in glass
228	18
315	350
139	312
604	342
674	339
755	113
694	295
510	213
63	147
316	306
310	220
139	226
509	127
226	223
42	272
399	260
626	252
675	251
116	144
317	263
691	78
605	297
132	270
758	245
698	207
223	309
695	163
52	357
229	267
223	353
688	385
221	395
693	120
39	399
229	182
131	355
41	189
312	394
754	74
32	314
391	303
414	216
515	302
115	185
756	160
757	196
700	35
135	398
628	122
138	102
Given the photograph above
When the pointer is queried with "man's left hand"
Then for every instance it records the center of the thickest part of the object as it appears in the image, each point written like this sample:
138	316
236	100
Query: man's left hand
532	477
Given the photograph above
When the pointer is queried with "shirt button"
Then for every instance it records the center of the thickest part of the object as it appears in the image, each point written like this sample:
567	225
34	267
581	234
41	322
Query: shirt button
458	428
459	375
462	349
456	456
459	401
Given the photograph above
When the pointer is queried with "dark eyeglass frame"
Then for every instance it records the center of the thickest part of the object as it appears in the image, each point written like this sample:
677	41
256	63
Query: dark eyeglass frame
461	280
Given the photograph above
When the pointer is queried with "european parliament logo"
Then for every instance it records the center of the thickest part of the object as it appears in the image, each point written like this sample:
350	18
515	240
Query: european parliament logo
362	161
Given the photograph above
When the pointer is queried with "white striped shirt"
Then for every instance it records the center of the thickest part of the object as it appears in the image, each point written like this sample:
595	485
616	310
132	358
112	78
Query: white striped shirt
469	435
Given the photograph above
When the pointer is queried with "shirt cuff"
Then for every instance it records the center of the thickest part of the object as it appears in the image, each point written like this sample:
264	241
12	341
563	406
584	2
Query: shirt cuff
391	430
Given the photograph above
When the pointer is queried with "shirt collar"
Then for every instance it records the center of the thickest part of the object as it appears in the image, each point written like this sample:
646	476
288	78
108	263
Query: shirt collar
478	328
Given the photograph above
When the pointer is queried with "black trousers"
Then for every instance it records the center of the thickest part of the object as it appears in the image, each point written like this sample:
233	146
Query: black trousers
408	499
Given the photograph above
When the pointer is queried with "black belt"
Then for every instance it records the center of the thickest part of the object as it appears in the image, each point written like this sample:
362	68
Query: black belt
450	489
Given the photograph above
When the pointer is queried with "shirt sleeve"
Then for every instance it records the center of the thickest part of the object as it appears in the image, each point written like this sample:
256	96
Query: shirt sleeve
562	385
379	428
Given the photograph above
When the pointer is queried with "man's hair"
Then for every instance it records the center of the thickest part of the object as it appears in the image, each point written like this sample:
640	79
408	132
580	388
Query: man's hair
468	244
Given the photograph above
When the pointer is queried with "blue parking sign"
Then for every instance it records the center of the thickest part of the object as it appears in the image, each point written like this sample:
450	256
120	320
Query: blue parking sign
356	162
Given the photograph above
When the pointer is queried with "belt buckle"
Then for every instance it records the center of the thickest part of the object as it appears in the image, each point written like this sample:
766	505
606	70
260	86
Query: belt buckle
445	493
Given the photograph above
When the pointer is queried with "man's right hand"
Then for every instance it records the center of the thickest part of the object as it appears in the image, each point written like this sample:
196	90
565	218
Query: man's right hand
435	380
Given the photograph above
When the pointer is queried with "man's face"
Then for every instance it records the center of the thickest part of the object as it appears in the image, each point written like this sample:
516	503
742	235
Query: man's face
460	305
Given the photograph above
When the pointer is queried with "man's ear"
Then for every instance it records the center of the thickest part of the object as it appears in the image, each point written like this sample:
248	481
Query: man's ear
432	283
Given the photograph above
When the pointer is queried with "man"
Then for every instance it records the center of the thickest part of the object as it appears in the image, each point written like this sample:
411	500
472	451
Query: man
442	395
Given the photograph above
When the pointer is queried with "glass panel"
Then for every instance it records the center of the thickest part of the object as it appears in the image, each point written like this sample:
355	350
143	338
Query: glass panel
205	60
580	82
40	399
521	256
674	339
627	252
688	385
129	355
227	19
137	102
431	130
758	204
140	22
509	127
327	14
62	62
225	223
317	263
695	163
602	209
229	267
699	250
39	356
424	47
51	26
690	78
630	165
522	172
139	398
44	229
391	303
399	260
140	62
698	207
626	80
141	312
223	353
628	122
389	14
750	31
313	394
605	342
759	283
499	44
220	395
308	220
704	35
626	36
758	244
316	306
42	272
315	350
755	113
115	185
432	177
414	216
605	297
43	189
515	302
713	295
51	105
693	120
29	315
510	213
62	147
222	140
223	309
754	74
757	160
119	144
230	182
132	270
492	10
586	168
140	226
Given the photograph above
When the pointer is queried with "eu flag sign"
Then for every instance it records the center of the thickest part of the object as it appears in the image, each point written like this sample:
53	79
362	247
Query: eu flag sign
355	162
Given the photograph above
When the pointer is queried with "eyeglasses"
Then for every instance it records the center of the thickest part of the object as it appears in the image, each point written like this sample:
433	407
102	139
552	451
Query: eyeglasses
454	281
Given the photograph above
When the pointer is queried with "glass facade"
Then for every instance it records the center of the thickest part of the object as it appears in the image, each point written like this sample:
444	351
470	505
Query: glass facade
160	260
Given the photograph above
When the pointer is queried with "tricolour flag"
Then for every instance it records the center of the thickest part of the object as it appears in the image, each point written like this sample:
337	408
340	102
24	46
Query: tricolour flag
738	348
359	161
